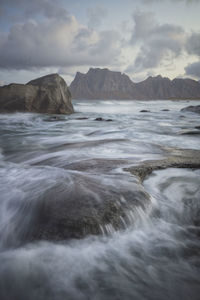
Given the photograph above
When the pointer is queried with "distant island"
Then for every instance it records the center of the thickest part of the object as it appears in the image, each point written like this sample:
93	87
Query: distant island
105	84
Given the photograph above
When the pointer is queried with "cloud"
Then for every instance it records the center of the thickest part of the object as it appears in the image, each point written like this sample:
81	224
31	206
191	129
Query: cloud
193	69
193	48
56	42
156	42
96	16
193	44
28	8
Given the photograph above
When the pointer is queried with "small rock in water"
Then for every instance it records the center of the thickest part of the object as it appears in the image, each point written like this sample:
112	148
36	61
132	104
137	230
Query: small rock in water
109	120
165	109
99	119
144	110
82	118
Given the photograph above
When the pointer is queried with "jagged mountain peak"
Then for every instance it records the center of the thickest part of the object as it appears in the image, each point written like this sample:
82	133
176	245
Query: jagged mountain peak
106	84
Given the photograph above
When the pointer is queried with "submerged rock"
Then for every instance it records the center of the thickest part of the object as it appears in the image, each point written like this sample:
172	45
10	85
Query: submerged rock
82	118
87	205
192	108
47	94
179	158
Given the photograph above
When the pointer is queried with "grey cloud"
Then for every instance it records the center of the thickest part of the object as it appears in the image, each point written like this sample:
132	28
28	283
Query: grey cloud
193	69
28	8
56	43
144	23
108	45
96	16
193	48
193	44
157	42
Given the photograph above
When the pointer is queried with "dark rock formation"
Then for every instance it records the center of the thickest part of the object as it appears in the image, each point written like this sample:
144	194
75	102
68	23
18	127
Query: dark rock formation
106	84
101	119
195	109
190	132
86	205
48	94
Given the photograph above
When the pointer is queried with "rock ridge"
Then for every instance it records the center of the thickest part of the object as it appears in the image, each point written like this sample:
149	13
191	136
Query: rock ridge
105	84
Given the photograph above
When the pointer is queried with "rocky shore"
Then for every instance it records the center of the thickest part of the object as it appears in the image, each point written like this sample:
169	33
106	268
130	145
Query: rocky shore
94	207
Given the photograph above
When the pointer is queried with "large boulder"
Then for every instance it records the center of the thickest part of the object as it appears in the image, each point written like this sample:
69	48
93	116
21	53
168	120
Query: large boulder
87	205
192	108
70	204
47	94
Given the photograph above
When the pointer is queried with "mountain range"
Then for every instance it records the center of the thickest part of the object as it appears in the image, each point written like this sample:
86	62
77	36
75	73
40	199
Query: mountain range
105	84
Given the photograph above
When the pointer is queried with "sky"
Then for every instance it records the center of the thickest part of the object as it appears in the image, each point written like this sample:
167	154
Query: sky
138	37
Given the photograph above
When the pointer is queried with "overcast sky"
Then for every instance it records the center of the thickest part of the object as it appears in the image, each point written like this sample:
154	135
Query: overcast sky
138	37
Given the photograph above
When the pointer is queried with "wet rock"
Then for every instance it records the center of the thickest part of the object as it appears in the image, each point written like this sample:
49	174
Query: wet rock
195	109
197	127
99	119
165	109
102	119
178	158
97	165
82	118
86	205
190	132
144	111
48	94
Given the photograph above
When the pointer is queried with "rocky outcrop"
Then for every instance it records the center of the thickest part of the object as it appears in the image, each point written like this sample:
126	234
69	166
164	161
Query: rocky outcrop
178	158
194	109
48	94
85	205
105	84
